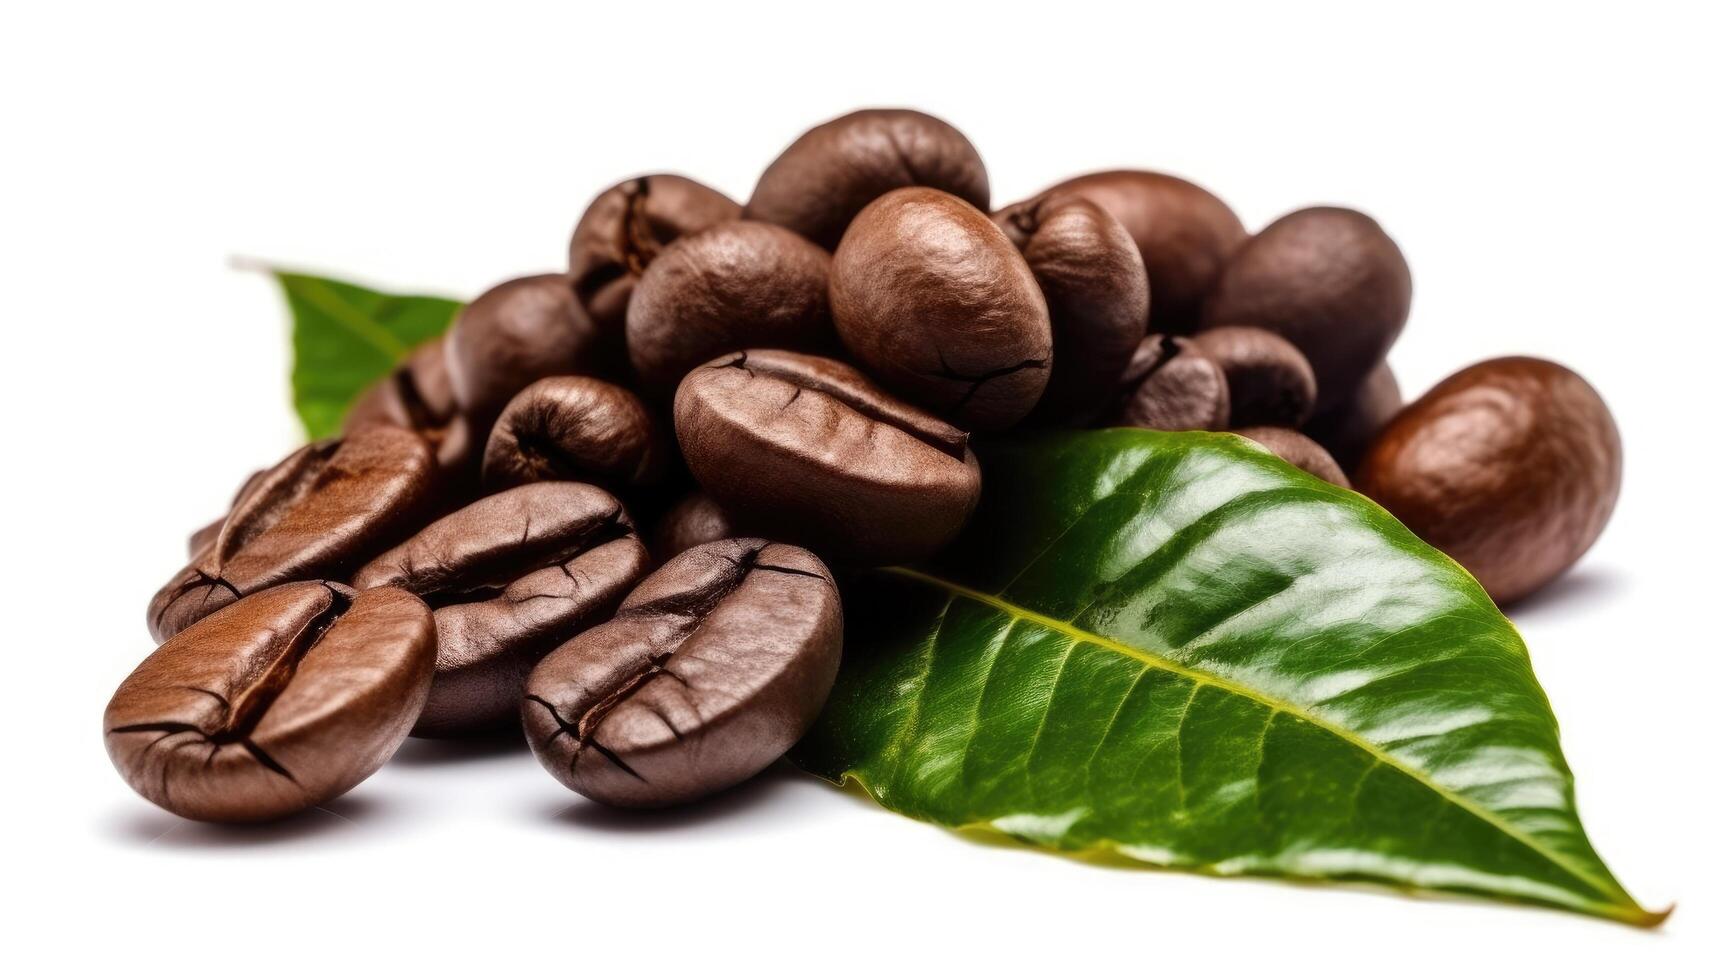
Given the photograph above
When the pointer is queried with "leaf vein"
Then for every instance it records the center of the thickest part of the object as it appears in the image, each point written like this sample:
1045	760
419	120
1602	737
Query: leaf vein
339	311
1203	678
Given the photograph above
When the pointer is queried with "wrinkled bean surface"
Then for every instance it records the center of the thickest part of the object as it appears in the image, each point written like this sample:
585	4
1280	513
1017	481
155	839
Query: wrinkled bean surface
574	428
712	669
276	703
808	450
319	513
509	577
625	228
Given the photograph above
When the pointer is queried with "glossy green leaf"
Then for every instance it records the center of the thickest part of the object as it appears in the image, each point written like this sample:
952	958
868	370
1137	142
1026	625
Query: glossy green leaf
1177	649
345	336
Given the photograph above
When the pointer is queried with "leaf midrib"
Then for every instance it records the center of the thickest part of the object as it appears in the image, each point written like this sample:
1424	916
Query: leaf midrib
342	313
1623	905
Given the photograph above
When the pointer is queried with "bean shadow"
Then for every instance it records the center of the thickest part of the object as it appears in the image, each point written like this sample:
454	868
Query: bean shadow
738	803
1579	588
423	753
349	816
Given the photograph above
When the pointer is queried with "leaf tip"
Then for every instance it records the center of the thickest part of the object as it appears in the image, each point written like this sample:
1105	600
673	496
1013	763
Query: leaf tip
1643	918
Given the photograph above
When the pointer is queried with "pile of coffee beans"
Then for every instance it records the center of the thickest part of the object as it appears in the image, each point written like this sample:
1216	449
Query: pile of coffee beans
762	392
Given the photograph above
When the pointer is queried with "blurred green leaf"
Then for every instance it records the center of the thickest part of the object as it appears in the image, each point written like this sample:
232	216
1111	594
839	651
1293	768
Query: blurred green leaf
345	336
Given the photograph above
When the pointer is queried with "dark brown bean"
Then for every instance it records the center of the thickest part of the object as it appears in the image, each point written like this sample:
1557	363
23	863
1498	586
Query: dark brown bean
1093	278
1171	385
519	332
1299	450
931	298
1347	430
1511	466
1327	279
712	669
1185	233
820	183
623	230
696	519
738	284
510	577
574	428
279	702
1269	381
810	451
320	513
418	395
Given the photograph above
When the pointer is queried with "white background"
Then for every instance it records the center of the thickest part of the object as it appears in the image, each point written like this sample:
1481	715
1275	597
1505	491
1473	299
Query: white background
1546	171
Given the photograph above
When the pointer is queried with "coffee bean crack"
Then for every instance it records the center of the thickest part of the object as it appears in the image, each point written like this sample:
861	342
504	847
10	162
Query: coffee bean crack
447	585
976	381
637	243
244	711
927	429
691	608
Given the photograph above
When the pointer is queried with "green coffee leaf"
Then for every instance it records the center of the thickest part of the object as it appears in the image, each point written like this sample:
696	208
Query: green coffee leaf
1175	648
346	336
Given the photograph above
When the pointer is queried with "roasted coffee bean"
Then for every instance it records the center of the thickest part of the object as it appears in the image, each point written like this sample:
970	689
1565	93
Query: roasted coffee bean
696	519
808	450
1299	450
320	513
1171	385
1511	467
1347	430
510	577
812	452
574	428
623	230
1327	279
1269	380
279	702
1185	234
931	298
1092	276
820	183
739	284
418	395
712	669
204	536
519	332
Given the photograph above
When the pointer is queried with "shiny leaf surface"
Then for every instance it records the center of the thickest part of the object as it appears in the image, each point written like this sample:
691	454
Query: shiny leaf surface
1178	649
345	336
